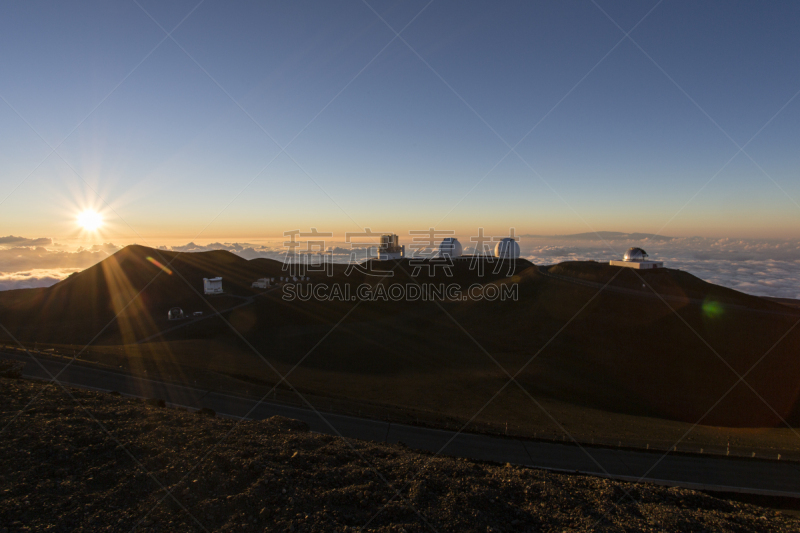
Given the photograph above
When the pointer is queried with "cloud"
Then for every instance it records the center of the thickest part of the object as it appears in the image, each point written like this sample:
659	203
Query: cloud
107	247
12	241
26	264
20	260
246	250
756	266
191	247
34	278
234	247
338	254
604	236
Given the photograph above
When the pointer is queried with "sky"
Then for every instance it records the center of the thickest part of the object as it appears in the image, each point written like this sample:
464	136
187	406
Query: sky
217	122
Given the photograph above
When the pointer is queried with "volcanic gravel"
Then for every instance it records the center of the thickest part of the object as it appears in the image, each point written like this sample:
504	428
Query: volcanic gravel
90	461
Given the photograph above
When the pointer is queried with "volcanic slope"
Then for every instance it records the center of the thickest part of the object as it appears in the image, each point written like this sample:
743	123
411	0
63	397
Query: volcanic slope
80	460
658	343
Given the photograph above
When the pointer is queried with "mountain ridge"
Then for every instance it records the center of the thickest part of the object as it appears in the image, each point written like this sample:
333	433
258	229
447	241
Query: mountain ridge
671	353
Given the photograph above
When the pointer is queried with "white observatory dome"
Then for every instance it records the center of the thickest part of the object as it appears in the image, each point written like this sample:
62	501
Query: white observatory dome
450	247
635	254
508	248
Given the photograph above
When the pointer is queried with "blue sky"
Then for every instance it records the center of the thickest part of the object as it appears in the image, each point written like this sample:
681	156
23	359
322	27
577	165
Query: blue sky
614	134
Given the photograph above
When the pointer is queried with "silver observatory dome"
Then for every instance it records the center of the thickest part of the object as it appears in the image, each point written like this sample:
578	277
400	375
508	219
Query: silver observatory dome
507	249
450	247
635	254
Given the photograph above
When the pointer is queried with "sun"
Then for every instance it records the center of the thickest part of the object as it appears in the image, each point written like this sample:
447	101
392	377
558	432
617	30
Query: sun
90	220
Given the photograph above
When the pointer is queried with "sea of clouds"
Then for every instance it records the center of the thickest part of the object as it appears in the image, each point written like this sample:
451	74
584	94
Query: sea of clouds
756	266
29	263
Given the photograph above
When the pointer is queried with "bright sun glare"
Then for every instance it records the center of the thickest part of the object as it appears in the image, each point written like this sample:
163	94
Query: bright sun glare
90	220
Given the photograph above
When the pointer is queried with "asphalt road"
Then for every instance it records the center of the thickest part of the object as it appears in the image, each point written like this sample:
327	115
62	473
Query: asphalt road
711	473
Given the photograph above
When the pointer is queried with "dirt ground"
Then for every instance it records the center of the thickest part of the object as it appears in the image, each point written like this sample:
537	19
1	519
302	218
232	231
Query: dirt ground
79	460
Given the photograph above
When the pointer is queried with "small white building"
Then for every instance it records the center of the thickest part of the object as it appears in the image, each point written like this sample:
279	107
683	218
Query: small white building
390	248
262	283
212	285
636	258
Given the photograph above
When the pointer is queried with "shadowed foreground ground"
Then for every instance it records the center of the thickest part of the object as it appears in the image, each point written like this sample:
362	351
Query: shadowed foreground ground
61	471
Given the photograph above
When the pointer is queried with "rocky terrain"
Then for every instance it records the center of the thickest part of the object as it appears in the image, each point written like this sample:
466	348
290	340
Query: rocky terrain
90	461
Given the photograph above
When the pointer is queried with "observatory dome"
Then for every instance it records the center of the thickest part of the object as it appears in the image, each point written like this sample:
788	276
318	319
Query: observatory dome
635	254
508	248
450	247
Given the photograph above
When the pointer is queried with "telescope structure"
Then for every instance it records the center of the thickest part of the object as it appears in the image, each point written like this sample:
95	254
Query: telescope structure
637	258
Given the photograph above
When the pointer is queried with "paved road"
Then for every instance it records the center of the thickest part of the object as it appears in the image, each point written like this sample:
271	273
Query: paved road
709	473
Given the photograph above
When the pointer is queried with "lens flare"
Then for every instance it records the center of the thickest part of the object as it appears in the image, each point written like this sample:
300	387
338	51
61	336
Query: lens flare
712	309
90	220
159	265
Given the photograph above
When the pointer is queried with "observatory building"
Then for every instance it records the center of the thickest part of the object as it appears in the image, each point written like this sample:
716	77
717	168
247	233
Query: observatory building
212	285
450	247
176	313
390	248
507	248
636	258
263	283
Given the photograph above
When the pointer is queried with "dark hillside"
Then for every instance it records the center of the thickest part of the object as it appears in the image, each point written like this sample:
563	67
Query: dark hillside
131	284
632	353
672	354
665	281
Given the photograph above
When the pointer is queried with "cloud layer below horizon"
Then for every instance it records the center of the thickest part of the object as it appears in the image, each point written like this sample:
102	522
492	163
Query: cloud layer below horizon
755	266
